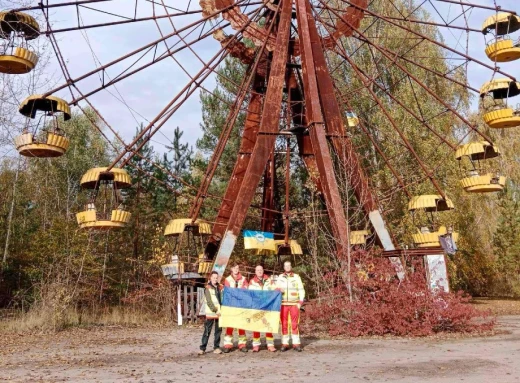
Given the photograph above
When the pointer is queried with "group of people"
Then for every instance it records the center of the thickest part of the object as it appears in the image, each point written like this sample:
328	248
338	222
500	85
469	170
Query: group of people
293	294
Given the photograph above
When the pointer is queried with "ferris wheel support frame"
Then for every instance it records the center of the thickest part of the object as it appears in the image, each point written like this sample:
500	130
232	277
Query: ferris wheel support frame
264	144
323	123
334	127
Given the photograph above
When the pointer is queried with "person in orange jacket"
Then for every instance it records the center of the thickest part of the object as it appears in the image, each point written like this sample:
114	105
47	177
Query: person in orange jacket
262	282
235	281
293	294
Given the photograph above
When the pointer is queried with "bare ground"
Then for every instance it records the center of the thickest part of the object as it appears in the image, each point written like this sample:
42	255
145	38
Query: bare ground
115	354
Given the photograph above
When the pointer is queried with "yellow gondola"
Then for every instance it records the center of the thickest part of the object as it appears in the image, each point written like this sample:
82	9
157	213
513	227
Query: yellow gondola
188	241
502	23
44	138
502	48
16	29
497	112
279	248
291	248
352	119
105	209
427	232
431	239
359	237
478	179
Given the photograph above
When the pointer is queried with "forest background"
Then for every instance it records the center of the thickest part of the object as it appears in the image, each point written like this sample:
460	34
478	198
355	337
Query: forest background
57	275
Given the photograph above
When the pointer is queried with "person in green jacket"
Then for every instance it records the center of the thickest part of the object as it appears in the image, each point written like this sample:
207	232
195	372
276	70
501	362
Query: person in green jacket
213	300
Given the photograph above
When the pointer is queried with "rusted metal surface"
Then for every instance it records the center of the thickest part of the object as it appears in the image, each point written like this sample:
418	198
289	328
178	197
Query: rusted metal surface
287	190
316	128
343	146
414	252
249	137
264	144
335	127
268	192
258	72
299	124
342	29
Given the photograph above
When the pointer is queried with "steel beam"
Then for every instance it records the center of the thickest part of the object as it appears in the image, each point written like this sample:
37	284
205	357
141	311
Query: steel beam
268	215
249	136
265	142
317	130
343	146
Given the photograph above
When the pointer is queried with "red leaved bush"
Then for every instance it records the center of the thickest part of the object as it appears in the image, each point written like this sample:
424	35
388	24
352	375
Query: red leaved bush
381	304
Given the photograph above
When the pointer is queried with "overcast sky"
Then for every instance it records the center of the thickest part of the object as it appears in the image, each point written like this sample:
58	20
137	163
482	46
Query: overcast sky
140	97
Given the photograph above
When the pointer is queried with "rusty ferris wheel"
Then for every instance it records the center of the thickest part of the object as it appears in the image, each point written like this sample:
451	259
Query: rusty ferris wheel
312	66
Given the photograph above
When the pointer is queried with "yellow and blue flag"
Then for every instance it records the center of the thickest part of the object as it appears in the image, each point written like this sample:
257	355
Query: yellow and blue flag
259	240
252	310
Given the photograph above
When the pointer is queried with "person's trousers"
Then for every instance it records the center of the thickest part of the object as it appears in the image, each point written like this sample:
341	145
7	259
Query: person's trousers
228	338
269	339
290	314
208	324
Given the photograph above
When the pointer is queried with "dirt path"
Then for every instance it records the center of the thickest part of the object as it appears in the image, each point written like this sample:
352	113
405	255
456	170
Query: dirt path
143	355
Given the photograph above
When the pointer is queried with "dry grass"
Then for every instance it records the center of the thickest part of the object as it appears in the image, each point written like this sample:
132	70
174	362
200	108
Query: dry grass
41	320
498	306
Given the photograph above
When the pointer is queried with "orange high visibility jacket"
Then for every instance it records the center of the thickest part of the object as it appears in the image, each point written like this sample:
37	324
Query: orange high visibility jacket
292	289
240	282
265	283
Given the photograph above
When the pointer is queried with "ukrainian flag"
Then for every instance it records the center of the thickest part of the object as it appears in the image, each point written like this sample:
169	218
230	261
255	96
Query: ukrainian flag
259	240
252	310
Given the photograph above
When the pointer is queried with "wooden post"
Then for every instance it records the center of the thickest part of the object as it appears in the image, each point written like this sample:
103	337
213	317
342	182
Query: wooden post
192	304
179	306
186	302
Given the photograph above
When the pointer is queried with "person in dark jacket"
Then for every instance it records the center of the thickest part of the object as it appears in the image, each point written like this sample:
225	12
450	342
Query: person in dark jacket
213	299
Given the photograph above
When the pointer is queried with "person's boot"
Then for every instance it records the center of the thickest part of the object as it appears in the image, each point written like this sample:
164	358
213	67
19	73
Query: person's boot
271	348
256	348
284	348
298	348
243	349
227	350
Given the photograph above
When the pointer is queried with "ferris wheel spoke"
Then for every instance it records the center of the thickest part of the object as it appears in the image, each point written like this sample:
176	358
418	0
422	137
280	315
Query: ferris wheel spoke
148	49
228	126
47	6
421	119
495	8
429	39
381	152
219	74
341	51
176	177
395	126
417	81
179	99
